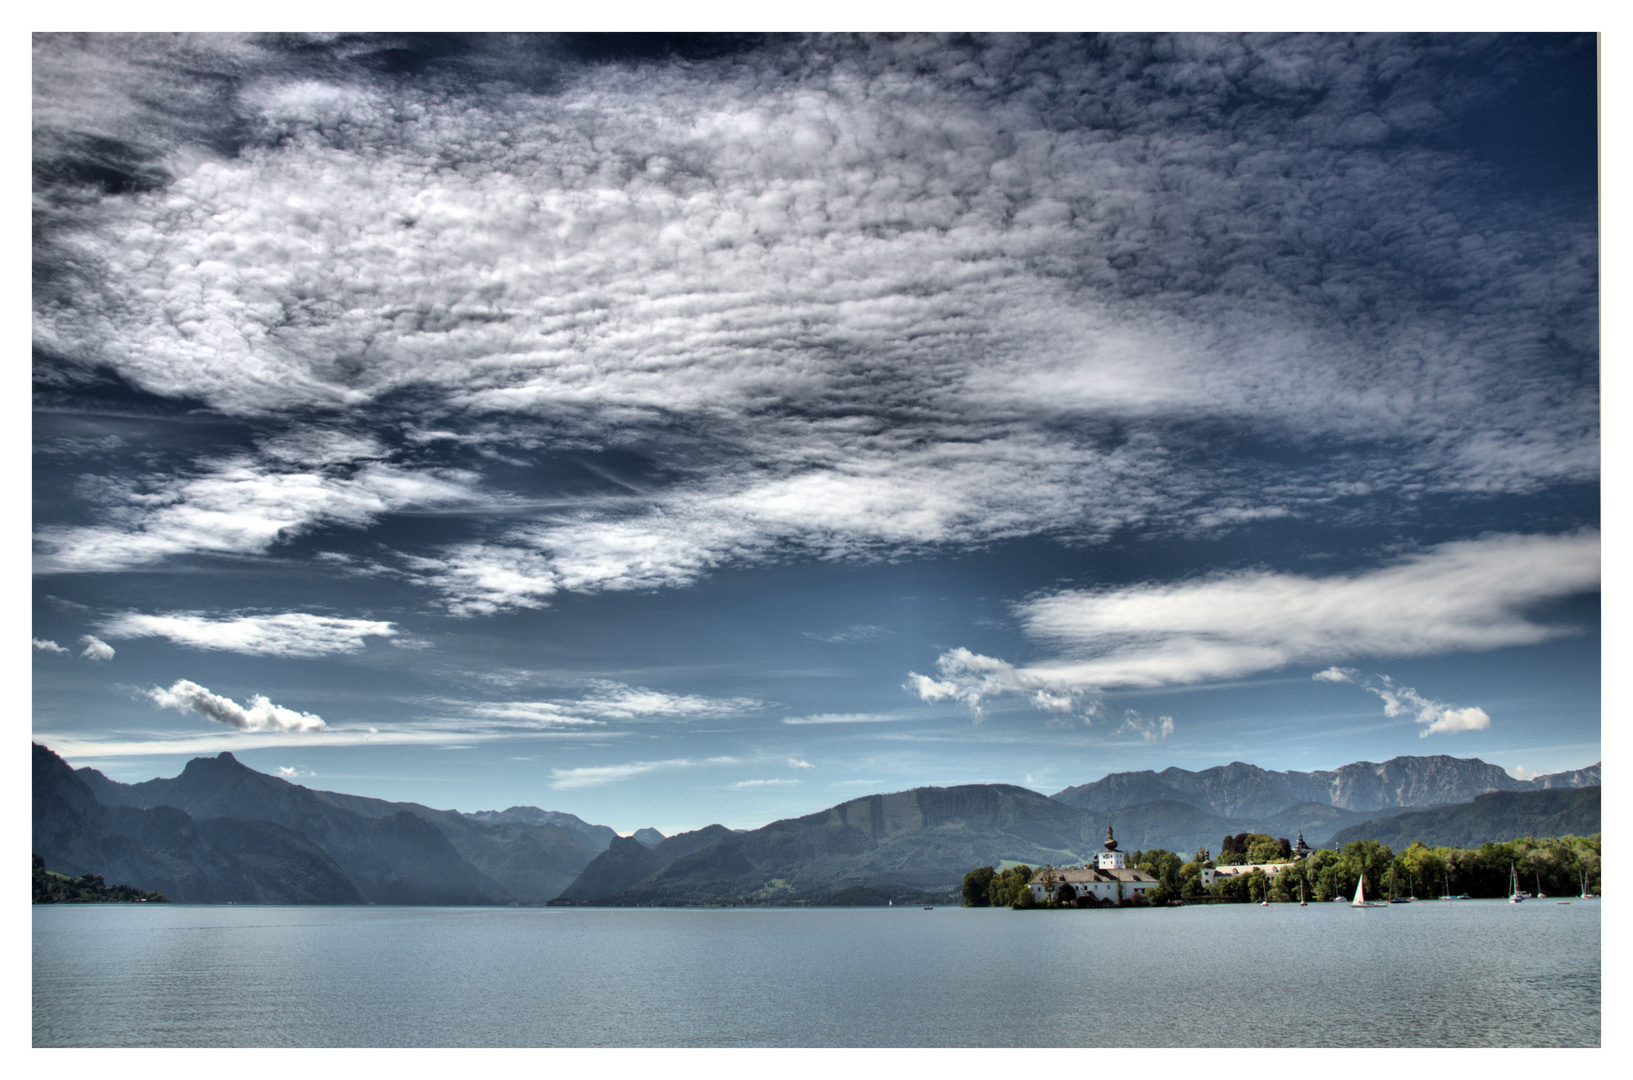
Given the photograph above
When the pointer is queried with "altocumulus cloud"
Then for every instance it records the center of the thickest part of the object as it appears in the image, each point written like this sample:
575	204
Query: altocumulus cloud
289	634
259	715
1468	595
857	289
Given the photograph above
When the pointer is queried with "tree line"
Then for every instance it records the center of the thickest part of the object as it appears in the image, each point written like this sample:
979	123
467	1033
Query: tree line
1556	864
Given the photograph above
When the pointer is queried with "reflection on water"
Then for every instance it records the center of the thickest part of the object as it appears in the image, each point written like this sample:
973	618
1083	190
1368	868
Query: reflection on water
1471	973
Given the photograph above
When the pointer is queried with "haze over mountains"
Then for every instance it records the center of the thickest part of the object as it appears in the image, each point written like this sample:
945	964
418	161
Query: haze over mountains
222	832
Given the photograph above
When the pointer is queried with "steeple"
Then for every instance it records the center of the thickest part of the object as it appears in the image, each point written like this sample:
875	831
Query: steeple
1111	844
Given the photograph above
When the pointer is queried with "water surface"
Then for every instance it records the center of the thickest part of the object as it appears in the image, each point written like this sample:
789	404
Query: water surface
1469	973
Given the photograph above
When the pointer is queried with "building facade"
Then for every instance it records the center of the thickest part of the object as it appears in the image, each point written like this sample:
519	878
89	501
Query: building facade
1107	883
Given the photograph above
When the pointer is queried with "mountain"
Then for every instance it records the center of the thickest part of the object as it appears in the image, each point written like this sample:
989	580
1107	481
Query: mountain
162	849
649	837
595	837
533	861
1491	818
397	859
628	862
916	841
1240	790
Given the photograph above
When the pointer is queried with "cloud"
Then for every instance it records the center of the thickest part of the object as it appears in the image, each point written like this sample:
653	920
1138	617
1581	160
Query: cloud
616	701
595	775
756	785
796	763
862	302
1456	597
260	715
1147	729
1436	716
237	506
48	646
842	718
1520	772
293	772
287	634
857	634
96	648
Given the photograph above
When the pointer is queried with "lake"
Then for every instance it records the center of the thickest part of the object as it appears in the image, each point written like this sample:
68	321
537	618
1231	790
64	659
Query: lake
1465	973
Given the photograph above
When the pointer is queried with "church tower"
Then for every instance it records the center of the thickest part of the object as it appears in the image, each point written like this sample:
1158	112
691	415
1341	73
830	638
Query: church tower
1111	858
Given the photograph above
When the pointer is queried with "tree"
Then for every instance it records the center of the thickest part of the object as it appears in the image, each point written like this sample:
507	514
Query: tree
978	887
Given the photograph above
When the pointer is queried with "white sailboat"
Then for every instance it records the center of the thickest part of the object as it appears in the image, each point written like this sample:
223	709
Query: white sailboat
1303	903
1360	895
1266	901
1514	896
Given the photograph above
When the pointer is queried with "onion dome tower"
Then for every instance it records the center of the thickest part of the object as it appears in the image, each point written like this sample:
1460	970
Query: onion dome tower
1111	858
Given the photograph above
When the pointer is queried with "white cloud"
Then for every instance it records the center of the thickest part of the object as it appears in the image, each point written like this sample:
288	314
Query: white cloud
295	772
239	506
1436	716
1520	772
842	718
1456	597
755	785
260	715
287	634
616	701
594	775
874	290
859	633
796	763
48	646
96	648
1147	729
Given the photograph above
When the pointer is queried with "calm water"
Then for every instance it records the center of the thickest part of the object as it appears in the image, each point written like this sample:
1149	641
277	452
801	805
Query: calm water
1470	973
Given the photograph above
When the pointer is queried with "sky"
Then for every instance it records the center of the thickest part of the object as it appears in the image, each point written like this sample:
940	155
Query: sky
677	430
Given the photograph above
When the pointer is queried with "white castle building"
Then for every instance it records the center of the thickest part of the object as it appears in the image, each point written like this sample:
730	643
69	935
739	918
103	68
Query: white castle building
1110	881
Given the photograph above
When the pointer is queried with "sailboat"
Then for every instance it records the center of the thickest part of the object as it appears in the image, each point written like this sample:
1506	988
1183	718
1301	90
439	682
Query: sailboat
1586	895
1303	903
1514	896
1360	895
1540	894
1266	901
1393	899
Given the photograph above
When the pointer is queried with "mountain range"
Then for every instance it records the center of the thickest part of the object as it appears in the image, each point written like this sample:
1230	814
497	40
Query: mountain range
222	832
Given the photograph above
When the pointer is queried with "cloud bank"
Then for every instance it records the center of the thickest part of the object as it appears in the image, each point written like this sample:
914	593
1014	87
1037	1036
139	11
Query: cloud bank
849	297
1455	597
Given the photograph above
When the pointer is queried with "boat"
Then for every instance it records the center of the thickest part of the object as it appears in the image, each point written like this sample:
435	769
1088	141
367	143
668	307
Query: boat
1514	895
1301	900
1266	901
1446	893
929	907
1586	895
1540	894
1360	895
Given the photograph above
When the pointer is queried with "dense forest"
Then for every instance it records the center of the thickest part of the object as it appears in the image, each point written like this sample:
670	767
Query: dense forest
1556	865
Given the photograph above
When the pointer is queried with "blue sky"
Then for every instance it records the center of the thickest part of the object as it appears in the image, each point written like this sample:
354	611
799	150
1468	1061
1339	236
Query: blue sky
672	431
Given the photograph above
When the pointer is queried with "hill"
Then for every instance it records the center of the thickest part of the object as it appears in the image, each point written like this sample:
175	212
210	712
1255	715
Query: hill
1240	790
1491	818
163	849
912	842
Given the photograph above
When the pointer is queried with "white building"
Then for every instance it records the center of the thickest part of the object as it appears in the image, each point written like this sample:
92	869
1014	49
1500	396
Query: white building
1110	881
1211	874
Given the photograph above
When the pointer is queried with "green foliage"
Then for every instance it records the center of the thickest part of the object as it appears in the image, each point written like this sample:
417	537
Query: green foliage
978	887
1428	872
1246	848
54	888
